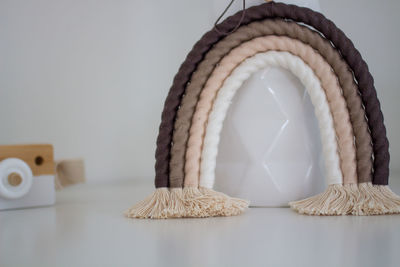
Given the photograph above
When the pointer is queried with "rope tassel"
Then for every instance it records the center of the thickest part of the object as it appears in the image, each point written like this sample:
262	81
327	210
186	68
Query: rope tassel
389	199
176	205
197	206
222	204
361	199
151	207
372	201
330	202
204	202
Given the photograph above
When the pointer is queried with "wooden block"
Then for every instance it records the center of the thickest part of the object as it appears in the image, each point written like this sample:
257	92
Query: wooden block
39	157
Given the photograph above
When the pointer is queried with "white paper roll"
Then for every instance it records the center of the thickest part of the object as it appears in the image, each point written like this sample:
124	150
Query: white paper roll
15	178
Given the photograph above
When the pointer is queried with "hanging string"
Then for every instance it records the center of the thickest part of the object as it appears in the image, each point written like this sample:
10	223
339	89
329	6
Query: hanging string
223	13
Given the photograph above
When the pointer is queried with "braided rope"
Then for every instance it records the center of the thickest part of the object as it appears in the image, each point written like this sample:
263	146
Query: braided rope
233	83
243	34
337	104
299	14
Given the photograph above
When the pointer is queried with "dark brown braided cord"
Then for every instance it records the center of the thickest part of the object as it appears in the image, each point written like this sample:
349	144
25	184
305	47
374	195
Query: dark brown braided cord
299	14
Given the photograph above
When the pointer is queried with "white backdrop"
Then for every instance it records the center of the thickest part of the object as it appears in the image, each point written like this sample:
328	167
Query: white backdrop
91	77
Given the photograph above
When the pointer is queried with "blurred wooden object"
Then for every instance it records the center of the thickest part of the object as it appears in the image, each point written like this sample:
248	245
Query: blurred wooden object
40	157
69	172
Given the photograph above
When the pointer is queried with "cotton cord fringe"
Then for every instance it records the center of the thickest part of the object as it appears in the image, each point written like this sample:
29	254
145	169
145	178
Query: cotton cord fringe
187	202
152	207
361	199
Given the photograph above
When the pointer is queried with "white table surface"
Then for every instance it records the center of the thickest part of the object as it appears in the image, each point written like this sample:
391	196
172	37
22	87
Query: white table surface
86	228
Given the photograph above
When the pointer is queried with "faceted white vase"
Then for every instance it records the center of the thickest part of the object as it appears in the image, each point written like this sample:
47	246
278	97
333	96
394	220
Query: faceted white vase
270	150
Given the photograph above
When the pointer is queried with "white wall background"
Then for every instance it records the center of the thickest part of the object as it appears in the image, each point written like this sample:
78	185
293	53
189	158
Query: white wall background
91	76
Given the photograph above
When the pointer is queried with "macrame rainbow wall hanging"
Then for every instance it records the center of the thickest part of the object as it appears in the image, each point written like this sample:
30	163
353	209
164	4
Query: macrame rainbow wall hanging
341	88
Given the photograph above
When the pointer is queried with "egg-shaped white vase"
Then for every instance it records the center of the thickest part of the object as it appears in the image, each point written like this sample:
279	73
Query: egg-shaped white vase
270	150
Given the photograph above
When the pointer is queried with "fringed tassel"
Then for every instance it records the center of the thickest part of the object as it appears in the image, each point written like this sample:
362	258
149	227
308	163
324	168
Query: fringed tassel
176	206
385	189
204	202
330	202
389	199
370	201
376	200
361	199
196	204
222	204
352	196
152	207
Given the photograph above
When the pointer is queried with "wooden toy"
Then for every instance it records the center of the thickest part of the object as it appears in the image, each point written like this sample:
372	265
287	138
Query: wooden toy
27	175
